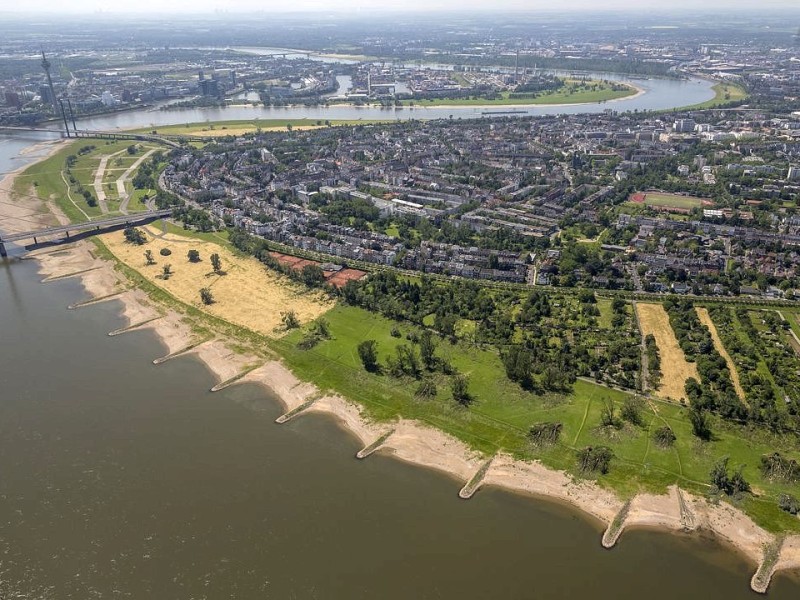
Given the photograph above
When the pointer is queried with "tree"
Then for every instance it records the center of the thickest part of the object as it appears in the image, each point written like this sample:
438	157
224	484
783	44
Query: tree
148	256
216	263
193	256
592	459
426	389
165	252
312	275
459	386
664	436
134	236
701	424
167	271
206	296
322	328
632	410
289	318
608	416
368	352
132	149
545	434
729	484
427	350
517	362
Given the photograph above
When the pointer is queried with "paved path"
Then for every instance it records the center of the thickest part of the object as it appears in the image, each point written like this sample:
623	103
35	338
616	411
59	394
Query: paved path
98	181
121	191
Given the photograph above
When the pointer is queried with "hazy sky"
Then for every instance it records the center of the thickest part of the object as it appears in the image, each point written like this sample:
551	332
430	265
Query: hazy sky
329	6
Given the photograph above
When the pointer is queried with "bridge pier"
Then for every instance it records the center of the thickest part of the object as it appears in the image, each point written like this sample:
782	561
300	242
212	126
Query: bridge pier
3	253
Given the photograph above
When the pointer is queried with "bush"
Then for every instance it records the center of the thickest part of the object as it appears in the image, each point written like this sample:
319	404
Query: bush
165	252
206	296
288	318
193	256
789	503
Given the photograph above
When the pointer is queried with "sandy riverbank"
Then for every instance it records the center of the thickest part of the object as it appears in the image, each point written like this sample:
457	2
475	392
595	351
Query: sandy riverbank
414	442
25	212
410	441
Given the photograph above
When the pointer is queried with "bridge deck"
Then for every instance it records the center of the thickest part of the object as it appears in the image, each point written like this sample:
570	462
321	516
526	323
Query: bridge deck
87	225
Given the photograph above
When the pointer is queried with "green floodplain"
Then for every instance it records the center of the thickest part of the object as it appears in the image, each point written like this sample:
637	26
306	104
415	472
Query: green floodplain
502	412
573	92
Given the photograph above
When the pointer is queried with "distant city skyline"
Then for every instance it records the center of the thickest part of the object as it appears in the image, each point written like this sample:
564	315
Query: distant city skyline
367	6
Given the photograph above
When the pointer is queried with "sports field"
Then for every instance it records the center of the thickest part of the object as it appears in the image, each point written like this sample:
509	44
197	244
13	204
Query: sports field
668	200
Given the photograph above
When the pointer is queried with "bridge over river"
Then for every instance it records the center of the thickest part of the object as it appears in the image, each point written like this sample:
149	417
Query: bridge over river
55	235
170	140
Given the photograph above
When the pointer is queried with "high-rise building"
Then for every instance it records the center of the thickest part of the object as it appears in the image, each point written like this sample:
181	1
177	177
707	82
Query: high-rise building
51	96
684	125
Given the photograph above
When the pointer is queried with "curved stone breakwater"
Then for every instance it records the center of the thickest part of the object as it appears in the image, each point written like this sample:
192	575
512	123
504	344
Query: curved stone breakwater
425	446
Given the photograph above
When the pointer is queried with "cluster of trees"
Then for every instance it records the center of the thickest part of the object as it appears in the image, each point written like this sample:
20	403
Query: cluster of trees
748	347
534	338
653	361
418	360
726	482
594	459
76	185
714	392
320	330
134	235
147	173
193	217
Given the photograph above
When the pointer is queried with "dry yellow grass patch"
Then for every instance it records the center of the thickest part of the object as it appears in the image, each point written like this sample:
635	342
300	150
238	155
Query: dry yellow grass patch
675	369
242	130
247	294
705	319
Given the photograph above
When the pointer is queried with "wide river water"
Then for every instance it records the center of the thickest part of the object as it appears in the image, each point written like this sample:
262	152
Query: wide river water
120	479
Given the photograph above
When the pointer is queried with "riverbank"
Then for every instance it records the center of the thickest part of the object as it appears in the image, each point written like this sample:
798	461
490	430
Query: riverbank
22	213
407	440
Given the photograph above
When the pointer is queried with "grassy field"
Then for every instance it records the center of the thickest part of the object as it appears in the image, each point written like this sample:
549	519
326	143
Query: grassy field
246	294
562	96
222	128
49	180
669	200
675	368
723	93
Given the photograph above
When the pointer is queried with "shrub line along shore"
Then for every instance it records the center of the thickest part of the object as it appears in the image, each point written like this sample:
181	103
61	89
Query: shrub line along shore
410	441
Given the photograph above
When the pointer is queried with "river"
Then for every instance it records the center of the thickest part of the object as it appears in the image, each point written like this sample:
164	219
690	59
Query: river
120	479
659	94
